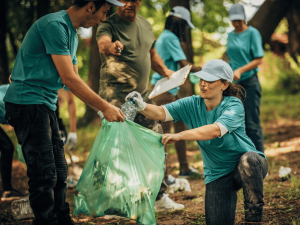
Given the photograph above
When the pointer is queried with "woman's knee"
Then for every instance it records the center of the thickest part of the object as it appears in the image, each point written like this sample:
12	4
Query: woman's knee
248	162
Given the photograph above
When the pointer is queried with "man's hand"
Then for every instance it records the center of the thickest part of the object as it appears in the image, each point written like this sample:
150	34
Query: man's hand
72	140
168	73
113	114
116	48
170	138
237	74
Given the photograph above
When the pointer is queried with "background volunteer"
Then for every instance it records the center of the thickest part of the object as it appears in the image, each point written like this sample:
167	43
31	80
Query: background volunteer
169	49
216	121
245	52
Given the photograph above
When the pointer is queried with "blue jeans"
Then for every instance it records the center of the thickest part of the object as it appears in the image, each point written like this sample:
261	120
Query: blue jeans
37	131
221	194
252	113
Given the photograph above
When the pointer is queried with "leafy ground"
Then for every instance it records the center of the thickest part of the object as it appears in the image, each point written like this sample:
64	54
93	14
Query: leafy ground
282	198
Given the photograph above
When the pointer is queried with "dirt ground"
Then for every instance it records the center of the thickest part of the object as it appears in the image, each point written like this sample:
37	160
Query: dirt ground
282	198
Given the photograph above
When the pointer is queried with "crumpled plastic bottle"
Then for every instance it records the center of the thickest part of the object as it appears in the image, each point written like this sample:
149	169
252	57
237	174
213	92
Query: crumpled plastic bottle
129	109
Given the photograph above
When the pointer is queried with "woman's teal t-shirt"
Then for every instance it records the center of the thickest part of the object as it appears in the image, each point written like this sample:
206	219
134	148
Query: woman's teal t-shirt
169	49
242	48
220	155
35	79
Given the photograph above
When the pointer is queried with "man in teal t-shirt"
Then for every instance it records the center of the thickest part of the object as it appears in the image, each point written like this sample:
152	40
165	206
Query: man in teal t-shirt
46	61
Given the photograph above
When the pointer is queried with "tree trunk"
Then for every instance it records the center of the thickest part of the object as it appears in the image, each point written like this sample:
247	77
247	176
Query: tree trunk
187	89
43	8
4	73
93	78
269	16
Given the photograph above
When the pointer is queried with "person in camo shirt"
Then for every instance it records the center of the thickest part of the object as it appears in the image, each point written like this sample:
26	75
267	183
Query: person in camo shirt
126	44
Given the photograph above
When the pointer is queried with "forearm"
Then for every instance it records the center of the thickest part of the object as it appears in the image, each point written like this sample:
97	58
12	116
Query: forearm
203	133
154	112
157	64
250	66
72	116
104	47
183	63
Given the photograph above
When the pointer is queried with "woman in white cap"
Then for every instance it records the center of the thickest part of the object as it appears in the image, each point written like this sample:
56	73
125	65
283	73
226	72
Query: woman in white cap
245	52
169	49
216	120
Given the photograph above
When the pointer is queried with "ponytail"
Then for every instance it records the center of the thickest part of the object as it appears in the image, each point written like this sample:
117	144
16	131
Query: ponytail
235	90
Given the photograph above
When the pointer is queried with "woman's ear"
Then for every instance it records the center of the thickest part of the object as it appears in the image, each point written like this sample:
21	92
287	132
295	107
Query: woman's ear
226	85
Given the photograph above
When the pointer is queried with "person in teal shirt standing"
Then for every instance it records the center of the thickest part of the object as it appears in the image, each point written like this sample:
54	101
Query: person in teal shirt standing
169	49
46	61
216	120
245	52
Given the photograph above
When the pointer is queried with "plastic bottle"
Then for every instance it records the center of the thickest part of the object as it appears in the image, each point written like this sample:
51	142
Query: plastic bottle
129	109
21	209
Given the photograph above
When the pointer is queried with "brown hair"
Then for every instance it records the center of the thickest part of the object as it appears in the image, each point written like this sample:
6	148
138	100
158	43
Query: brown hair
235	90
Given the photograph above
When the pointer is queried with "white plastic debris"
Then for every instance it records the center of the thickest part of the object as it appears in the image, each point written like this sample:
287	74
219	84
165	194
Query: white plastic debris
284	173
181	184
74	158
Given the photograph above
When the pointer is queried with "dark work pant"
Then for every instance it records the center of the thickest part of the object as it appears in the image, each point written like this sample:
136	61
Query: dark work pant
152	125
7	151
221	197
252	112
179	126
37	131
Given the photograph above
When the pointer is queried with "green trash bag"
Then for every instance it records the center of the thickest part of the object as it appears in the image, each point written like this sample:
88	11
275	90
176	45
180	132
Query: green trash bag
20	154
123	173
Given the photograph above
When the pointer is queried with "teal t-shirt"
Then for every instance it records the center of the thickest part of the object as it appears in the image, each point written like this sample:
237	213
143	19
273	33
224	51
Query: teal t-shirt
35	79
242	48
3	89
169	49
220	155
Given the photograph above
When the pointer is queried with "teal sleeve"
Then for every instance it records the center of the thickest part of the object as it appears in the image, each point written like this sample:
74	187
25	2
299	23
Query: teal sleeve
55	38
233	116
179	109
74	60
256	45
174	48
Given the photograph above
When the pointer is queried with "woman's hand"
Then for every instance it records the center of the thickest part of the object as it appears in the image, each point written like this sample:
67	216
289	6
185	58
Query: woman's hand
237	74
170	138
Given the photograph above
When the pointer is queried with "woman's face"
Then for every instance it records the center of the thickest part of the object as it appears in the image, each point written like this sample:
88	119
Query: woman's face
211	89
238	24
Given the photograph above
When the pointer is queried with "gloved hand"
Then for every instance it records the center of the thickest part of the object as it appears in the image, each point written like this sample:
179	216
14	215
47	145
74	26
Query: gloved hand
137	98
72	140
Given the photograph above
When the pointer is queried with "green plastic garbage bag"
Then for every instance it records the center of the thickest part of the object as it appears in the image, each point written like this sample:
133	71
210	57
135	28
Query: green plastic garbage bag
20	154
122	174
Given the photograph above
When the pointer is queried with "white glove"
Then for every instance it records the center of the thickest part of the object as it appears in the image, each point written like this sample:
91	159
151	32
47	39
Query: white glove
141	105
134	94
72	140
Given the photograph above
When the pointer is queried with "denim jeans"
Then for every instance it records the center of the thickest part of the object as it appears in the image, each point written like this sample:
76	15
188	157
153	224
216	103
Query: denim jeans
221	194
37	131
7	151
252	104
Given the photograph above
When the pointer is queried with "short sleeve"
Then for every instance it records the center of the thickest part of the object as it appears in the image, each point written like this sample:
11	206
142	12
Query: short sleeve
179	108
232	116
174	48
74	60
104	29
55	38
256	45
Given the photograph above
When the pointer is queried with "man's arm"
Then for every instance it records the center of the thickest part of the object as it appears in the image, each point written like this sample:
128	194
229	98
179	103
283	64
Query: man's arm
107	47
158	65
79	88
183	63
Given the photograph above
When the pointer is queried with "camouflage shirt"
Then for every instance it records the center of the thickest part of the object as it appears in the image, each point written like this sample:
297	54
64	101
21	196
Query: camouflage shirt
129	72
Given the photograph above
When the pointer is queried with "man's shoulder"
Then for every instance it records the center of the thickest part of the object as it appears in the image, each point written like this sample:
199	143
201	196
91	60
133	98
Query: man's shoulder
53	19
143	20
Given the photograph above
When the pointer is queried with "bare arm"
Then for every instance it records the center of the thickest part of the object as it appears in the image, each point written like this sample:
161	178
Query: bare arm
183	63
250	66
107	47
64	66
203	133
154	112
158	65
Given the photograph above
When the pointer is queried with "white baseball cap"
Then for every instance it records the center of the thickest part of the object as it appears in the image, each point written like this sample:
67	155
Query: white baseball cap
215	69
114	2
237	12
182	13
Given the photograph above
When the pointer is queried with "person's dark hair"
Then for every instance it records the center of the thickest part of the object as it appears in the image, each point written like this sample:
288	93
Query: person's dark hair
98	4
235	90
177	26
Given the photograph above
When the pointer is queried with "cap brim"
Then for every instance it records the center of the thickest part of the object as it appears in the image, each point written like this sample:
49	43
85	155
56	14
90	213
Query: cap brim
236	17
190	24
115	2
206	76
